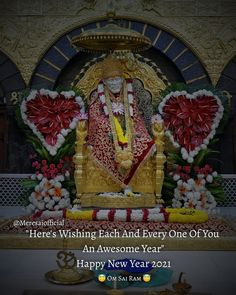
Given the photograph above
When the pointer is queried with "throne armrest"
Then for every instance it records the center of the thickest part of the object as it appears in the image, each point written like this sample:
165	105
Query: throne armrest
158	133
80	158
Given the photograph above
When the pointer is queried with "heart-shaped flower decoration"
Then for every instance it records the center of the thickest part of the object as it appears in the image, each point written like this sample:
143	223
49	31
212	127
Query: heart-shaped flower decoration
52	115
191	120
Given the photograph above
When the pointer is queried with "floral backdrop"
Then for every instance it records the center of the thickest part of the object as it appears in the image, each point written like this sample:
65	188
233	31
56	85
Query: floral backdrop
191	117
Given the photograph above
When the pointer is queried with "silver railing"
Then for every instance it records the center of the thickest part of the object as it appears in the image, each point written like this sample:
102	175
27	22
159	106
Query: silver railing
11	190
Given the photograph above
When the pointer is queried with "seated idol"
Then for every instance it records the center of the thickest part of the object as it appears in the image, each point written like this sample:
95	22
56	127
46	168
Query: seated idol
117	134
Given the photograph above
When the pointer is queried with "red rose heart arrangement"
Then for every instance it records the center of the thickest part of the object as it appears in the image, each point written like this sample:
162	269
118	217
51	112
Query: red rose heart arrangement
191	120
52	115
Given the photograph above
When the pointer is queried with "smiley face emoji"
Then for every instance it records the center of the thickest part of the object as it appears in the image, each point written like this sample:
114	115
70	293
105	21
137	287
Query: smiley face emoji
146	278
101	278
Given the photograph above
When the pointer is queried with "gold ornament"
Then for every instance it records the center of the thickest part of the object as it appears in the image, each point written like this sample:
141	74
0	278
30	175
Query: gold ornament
111	67
111	37
125	159
133	69
68	274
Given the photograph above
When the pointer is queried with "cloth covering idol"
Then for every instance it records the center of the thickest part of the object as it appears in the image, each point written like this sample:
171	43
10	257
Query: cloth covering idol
101	141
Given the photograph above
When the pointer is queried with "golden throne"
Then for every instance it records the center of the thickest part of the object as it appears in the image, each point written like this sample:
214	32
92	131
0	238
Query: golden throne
90	179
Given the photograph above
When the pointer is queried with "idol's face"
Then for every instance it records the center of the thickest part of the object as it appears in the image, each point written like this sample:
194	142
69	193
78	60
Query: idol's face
114	84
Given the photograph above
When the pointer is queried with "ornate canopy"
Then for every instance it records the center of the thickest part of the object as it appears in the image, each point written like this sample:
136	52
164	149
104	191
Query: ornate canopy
111	38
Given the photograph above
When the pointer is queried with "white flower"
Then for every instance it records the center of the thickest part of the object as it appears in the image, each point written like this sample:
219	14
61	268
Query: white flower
118	108
64	132
100	88
129	87
62	203
156	217
191	181
130	98
200	176
120	215
79	100
30	208
57	184
209	178
57	207
65	193
106	110
131	111
189	96
68	94
154	210
67	204
102	98
192	153
176	145
41	205
137	215
83	117
180	182
160	107
176	203
32	95
184	156
102	214
47	199
43	91
127	190
59	178
176	177
197	195
56	199
167	133
190	159
157	119
215	174
53	94
72	125
39	176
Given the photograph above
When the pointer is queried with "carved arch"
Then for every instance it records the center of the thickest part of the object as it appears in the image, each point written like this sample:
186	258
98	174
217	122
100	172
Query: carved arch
61	52
10	77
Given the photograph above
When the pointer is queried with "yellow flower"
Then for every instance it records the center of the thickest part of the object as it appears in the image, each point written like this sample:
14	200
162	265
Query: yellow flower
130	194
119	131
79	214
184	215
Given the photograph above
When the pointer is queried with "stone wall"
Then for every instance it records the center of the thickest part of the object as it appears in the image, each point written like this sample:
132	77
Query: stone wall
29	29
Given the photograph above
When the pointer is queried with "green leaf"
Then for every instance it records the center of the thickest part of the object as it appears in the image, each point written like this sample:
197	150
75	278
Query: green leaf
69	183
28	183
203	155
217	192
177	159
169	185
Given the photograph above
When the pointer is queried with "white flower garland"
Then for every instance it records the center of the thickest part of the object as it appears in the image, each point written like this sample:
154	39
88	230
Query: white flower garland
64	132
102	98
189	156
153	215
114	195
